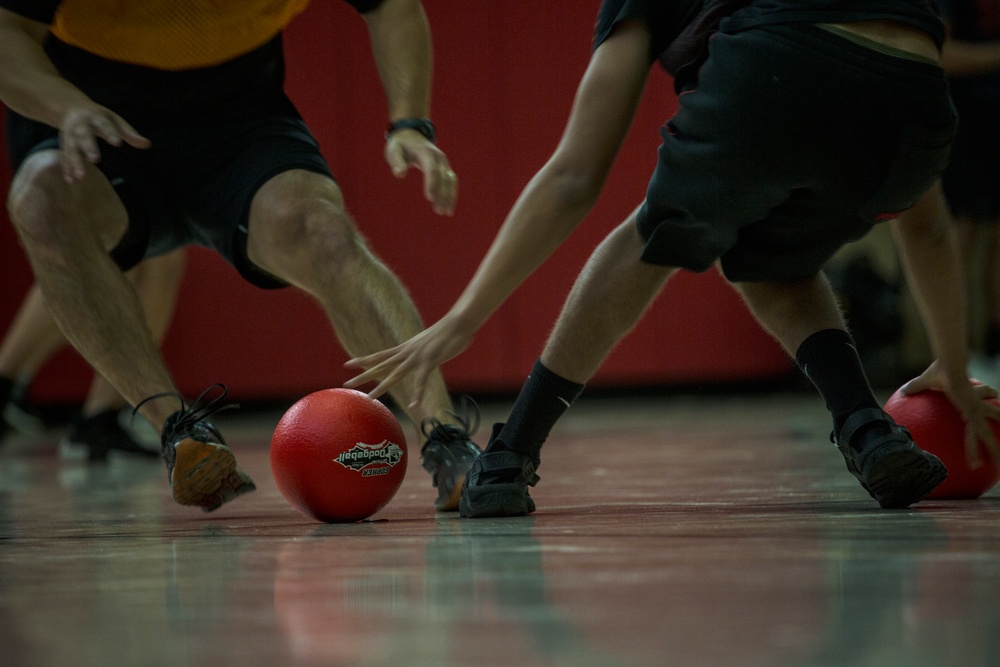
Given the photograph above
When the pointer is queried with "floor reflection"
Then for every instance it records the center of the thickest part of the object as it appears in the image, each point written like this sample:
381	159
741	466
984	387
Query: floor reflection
674	543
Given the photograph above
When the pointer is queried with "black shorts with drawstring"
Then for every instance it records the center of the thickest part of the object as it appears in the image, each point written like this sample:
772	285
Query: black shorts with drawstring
792	142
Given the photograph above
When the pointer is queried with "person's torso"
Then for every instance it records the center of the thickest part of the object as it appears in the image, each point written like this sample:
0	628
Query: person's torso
919	14
171	34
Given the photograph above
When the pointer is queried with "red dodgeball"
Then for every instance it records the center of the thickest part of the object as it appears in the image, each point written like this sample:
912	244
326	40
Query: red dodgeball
937	427
338	456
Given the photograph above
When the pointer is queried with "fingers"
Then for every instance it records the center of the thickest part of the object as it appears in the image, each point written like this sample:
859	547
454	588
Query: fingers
440	181
77	148
388	374
386	367
979	416
986	435
79	134
374	364
972	440
915	386
984	391
396	159
441	190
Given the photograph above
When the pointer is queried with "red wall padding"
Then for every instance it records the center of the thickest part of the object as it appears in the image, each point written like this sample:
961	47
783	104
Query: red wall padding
505	75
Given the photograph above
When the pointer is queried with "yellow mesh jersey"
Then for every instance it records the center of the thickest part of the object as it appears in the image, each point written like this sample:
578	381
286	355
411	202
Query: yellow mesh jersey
172	34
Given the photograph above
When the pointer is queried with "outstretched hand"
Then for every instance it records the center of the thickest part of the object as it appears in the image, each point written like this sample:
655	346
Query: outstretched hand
406	148
81	127
419	356
971	401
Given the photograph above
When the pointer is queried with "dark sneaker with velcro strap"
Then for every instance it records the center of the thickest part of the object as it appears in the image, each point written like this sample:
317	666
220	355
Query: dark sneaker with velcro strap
449	452
890	466
497	484
201	468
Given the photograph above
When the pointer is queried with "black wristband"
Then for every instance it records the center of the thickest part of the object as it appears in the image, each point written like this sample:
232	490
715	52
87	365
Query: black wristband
422	125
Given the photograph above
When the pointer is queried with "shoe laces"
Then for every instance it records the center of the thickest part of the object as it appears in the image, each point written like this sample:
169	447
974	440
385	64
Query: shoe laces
192	414
466	416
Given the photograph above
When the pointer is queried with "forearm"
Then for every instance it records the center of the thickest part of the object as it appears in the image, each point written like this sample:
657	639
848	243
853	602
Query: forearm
401	44
563	192
29	84
549	209
929	252
970	58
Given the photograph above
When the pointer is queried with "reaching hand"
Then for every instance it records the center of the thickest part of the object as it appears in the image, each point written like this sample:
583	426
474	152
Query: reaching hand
81	127
971	402
407	148
421	356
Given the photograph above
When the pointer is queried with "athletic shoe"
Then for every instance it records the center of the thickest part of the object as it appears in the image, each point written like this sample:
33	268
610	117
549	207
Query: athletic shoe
890	467
103	433
498	482
448	453
201	468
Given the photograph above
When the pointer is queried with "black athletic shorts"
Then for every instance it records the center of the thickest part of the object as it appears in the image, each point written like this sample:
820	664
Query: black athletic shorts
196	183
972	180
792	142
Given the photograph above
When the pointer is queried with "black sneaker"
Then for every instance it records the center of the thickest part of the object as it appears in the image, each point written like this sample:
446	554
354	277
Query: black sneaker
449	452
201	468
498	482
103	433
891	468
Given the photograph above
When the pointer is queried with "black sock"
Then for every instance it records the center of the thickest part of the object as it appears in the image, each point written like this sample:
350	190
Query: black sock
543	399
831	361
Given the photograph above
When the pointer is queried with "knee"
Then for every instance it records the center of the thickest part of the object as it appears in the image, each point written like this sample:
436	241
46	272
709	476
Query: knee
297	238
36	197
49	213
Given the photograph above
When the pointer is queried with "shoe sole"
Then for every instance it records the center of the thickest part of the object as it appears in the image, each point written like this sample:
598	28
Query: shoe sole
205	475
450	501
494	500
900	479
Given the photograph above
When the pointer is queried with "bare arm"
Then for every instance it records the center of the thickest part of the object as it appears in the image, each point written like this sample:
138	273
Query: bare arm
401	45
962	58
928	248
29	83
553	204
31	86
969	58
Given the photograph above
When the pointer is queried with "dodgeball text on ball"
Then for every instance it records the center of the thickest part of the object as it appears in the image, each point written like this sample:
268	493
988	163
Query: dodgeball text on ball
362	455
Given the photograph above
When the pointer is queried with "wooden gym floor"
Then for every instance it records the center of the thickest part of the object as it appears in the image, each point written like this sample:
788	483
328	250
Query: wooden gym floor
677	530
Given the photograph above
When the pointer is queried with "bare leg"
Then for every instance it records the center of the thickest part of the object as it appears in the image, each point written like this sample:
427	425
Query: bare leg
31	340
66	231
157	282
33	337
611	294
794	310
300	232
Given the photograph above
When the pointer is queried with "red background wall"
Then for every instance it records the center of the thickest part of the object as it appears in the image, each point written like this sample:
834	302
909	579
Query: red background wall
505	75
